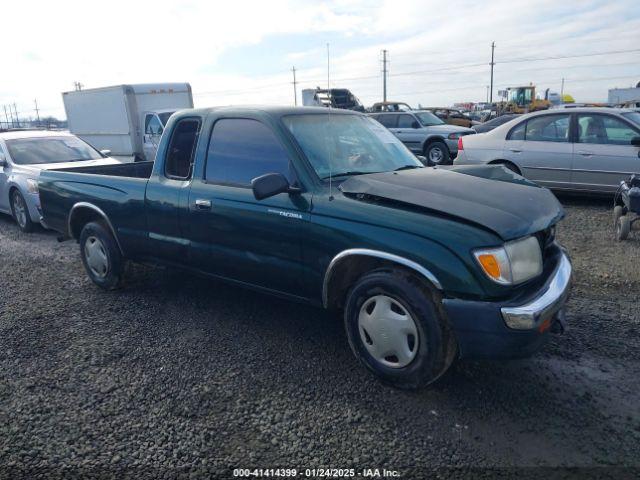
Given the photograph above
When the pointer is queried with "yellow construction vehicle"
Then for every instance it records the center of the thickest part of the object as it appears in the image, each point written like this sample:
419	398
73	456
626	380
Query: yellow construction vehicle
523	100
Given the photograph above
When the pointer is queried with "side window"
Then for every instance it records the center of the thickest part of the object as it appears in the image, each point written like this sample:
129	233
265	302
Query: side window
241	150
548	128
405	121
181	149
388	121
152	125
604	129
518	132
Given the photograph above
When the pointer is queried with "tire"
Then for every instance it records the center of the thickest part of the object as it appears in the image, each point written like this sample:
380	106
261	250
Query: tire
430	346
101	256
623	227
618	211
437	153
20	212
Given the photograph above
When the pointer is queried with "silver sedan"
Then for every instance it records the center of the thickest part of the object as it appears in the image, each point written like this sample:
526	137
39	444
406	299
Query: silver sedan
24	154
583	149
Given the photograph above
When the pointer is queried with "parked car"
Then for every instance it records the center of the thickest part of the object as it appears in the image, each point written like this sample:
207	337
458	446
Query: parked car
328	208
452	116
390	107
582	149
424	134
126	119
24	154
493	123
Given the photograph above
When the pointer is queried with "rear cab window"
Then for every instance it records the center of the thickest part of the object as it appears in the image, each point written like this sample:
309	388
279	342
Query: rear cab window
181	149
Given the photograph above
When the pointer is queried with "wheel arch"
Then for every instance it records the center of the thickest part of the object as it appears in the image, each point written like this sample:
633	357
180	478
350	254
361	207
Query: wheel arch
84	212
349	265
434	138
502	161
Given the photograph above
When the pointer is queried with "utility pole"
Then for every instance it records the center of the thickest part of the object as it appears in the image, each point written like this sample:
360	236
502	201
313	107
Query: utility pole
562	92
295	92
493	46
384	75
37	111
328	81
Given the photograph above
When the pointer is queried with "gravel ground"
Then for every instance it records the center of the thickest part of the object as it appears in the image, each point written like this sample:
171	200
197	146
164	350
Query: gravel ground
182	376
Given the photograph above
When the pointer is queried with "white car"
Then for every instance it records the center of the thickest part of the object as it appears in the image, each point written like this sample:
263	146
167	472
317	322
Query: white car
584	149
24	154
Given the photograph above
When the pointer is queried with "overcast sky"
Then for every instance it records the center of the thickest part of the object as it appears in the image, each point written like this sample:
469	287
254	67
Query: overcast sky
237	52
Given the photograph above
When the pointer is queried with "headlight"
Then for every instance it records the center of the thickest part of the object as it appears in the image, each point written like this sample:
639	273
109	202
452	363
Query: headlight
32	185
513	263
454	136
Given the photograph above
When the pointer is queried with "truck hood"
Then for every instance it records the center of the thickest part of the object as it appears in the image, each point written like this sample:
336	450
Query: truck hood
489	196
35	169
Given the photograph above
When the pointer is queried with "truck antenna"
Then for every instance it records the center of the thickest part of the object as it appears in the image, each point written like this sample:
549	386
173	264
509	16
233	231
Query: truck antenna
330	129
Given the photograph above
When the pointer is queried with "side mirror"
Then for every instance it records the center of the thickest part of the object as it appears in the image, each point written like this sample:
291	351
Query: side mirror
415	124
635	141
106	153
271	184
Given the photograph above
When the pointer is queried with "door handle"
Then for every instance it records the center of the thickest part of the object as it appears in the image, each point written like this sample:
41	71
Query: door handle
203	204
585	154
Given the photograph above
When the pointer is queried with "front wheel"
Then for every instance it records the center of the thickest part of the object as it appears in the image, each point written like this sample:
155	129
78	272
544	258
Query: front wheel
396	329
21	212
101	256
437	153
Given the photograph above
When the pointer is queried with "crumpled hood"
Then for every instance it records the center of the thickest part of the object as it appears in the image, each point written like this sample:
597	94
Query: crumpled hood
490	196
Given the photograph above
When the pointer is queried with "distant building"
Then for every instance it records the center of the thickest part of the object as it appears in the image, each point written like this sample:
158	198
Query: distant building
623	95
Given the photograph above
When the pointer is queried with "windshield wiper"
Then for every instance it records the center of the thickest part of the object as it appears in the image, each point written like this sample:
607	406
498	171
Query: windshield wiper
408	167
346	174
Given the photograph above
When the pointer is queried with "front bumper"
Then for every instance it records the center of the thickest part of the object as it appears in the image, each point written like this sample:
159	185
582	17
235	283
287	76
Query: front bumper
486	329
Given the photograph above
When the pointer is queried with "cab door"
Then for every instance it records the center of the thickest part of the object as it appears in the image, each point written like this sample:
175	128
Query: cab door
603	154
232	234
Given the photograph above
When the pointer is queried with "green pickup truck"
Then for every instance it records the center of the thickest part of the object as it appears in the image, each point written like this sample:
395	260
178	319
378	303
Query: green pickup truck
327	207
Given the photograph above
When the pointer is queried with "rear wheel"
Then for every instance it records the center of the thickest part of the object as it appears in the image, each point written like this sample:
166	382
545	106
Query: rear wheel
21	212
437	153
101	256
396	329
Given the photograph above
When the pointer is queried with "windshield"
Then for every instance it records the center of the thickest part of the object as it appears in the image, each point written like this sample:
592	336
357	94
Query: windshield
428	119
33	151
340	145
633	116
164	117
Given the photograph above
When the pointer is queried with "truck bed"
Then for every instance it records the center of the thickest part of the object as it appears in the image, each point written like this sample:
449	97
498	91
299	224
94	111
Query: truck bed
116	190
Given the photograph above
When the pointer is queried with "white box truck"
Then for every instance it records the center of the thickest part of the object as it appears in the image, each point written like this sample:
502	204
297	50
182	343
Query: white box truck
126	119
